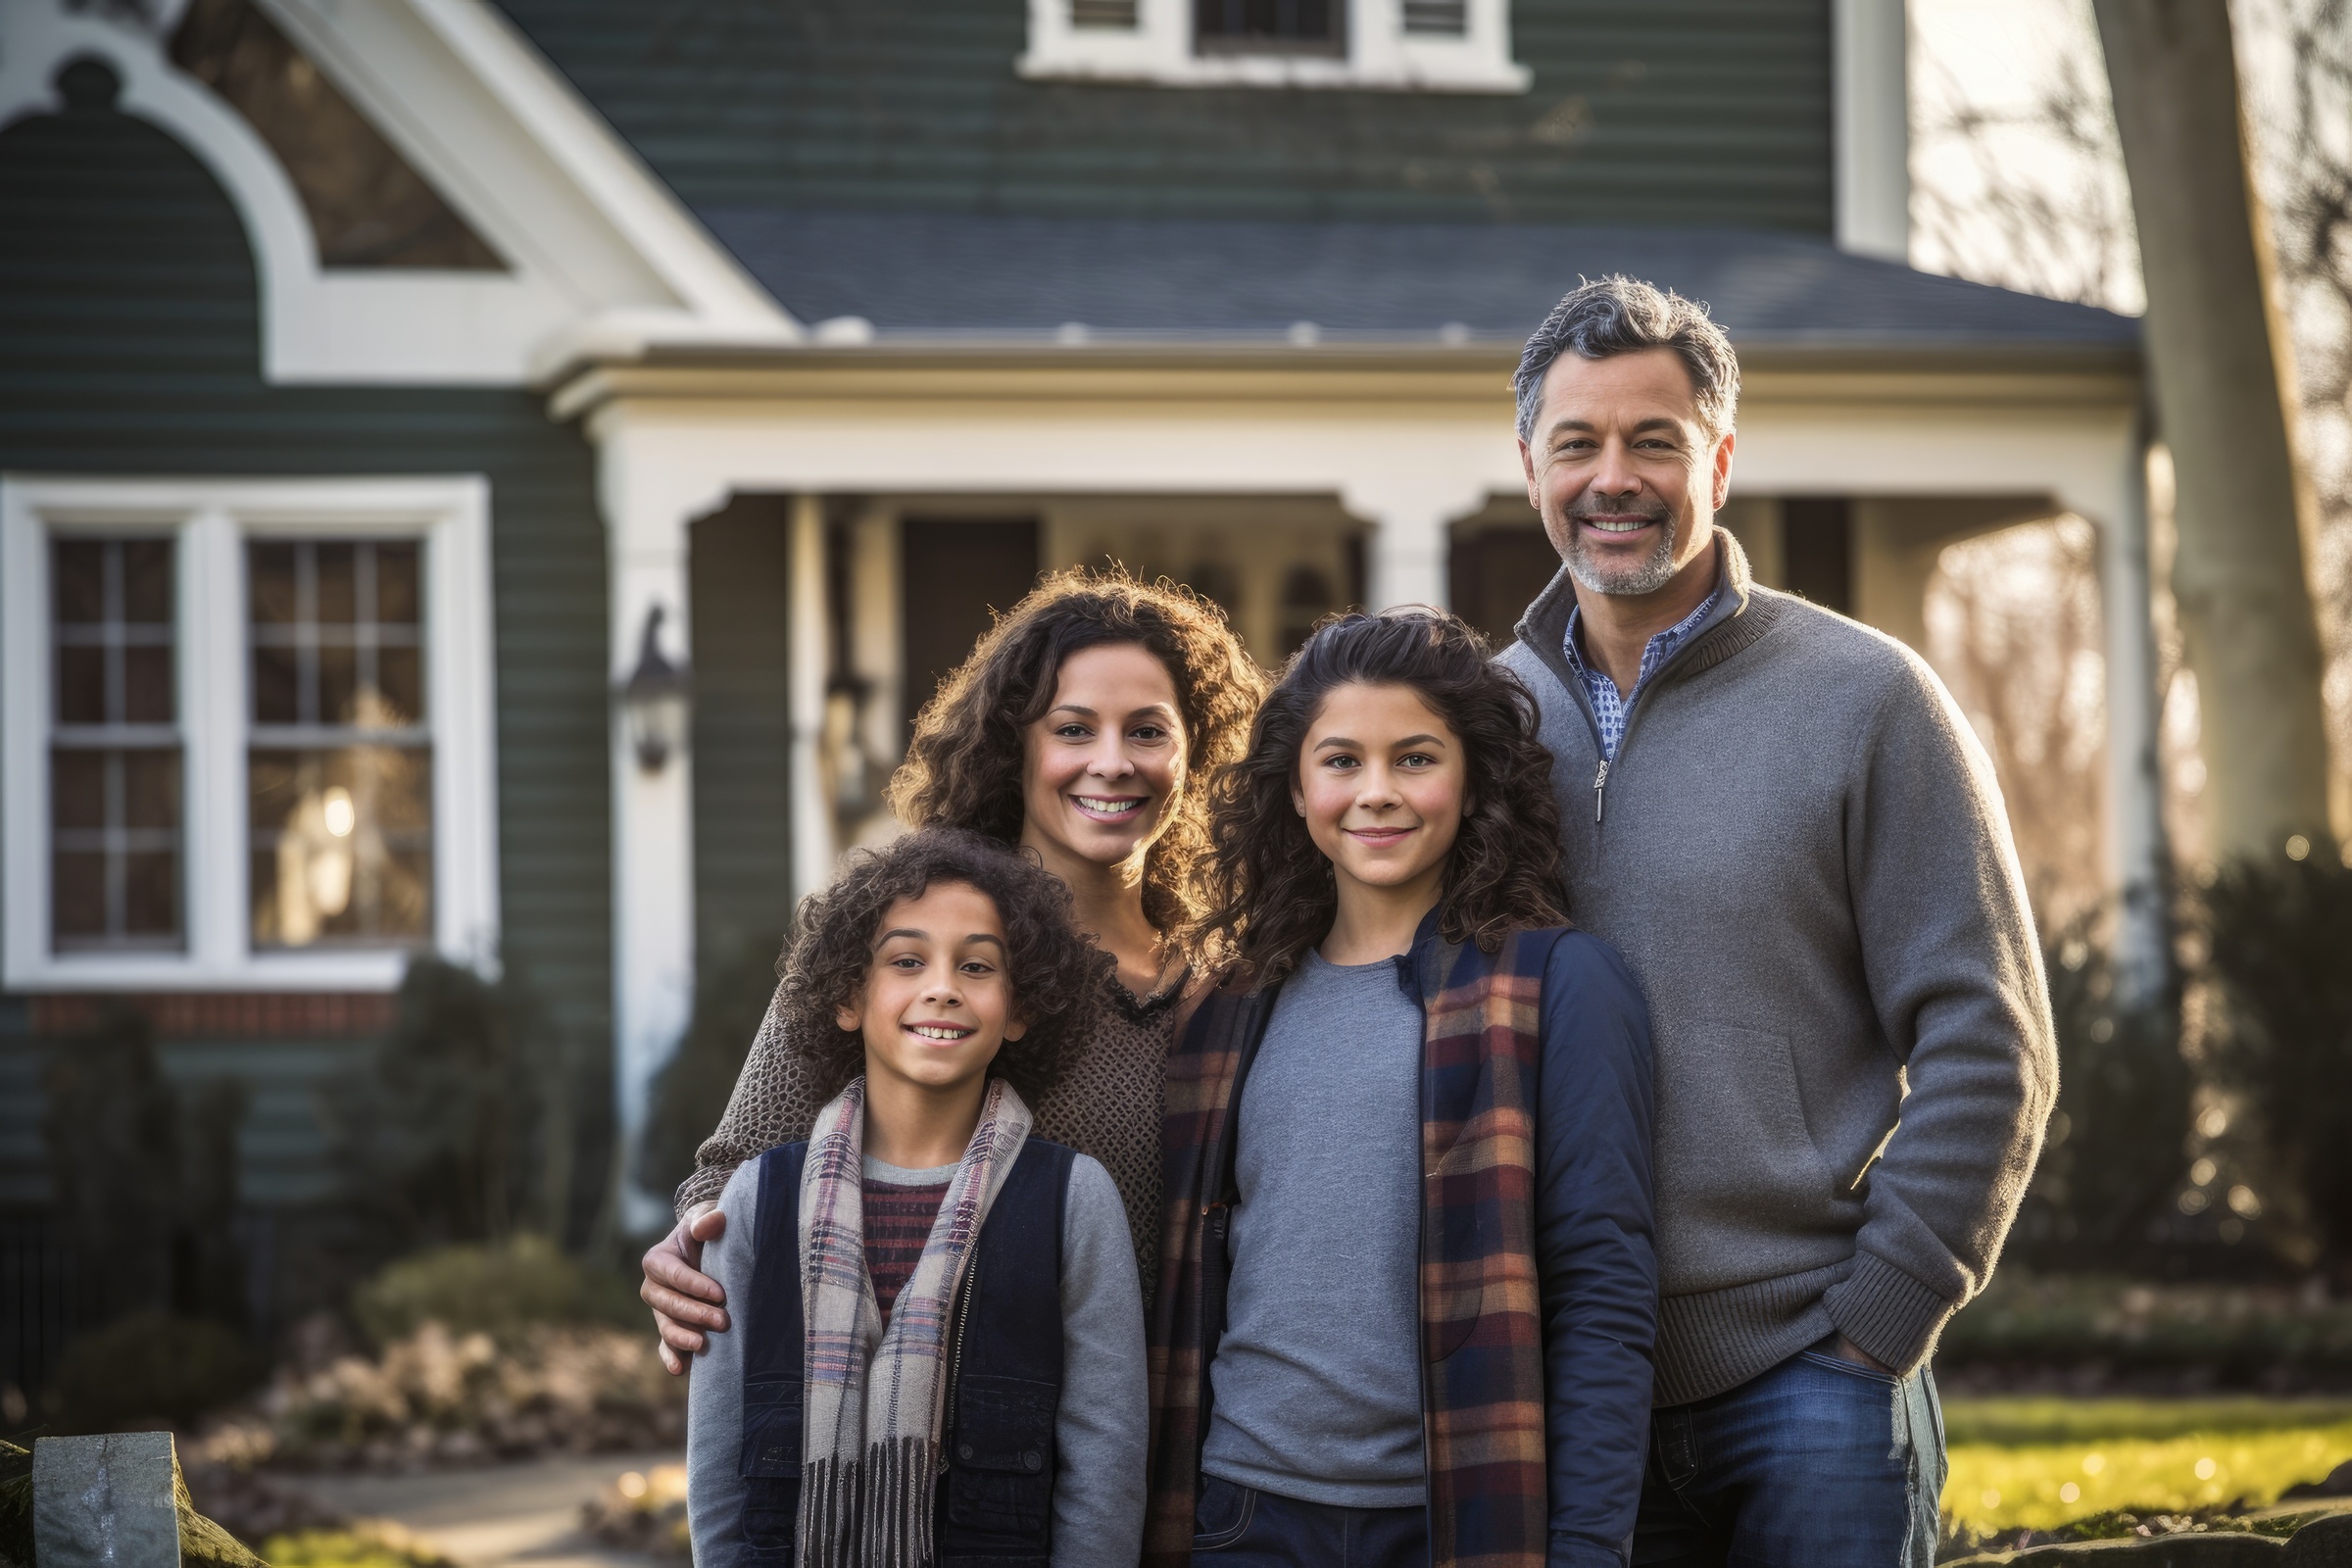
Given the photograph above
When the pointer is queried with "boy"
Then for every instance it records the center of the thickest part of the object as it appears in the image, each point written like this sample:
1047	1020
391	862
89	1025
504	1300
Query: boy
941	1358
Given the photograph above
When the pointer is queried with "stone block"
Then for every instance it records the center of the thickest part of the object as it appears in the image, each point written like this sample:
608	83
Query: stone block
2162	1552
2322	1543
108	1502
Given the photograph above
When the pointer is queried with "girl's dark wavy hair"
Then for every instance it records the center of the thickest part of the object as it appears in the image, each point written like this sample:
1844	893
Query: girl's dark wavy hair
1056	975
1272	889
964	766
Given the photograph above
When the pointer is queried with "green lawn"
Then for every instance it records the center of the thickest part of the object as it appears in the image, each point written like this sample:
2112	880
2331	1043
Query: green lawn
2037	1463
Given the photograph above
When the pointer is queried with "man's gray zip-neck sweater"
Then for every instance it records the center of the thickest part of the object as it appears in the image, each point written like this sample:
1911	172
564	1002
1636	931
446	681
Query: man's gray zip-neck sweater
1800	851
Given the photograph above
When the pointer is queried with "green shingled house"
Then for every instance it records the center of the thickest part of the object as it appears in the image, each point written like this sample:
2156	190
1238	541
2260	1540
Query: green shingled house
383	383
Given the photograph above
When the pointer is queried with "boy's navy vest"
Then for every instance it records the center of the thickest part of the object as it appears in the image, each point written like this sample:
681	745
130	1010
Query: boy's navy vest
996	1502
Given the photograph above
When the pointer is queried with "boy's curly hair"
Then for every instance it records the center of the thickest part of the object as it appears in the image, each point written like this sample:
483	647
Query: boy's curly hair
964	766
1056	975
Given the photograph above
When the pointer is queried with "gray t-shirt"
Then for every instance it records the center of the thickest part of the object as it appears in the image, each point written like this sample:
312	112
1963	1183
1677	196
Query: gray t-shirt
1317	1380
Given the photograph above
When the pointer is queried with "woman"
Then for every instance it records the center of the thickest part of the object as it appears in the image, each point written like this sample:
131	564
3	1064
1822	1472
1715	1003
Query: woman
1358	1361
1083	728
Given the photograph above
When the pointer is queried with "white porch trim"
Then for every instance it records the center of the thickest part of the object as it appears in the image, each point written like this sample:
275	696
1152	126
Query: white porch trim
1406	443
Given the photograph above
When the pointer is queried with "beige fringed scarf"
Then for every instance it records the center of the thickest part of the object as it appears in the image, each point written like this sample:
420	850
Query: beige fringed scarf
871	1455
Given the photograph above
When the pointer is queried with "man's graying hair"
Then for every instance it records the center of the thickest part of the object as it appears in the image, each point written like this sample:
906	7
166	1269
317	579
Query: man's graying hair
1619	315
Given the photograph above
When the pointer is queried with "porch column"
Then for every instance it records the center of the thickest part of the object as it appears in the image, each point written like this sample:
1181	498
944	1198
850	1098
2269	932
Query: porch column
809	631
2135	785
646	514
1409	550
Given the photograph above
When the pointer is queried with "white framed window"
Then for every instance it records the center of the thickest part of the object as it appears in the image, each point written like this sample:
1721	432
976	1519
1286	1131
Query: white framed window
1410	45
247	731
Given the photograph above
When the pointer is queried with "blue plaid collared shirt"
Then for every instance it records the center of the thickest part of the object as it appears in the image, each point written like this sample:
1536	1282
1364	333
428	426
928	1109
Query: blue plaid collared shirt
1607	705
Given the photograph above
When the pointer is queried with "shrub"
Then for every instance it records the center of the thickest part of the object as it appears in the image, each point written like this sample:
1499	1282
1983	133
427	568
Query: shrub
2279	933
439	1135
642	1513
442	1396
497	1290
2115	1148
146	1175
2090	1327
729	1003
146	1366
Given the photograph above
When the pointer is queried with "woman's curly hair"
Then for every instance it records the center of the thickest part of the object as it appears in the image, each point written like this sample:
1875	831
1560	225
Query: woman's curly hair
964	766
1056	975
1273	892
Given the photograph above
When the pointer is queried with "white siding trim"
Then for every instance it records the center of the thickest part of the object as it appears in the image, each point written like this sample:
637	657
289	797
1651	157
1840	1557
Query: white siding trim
1870	50
603	255
211	519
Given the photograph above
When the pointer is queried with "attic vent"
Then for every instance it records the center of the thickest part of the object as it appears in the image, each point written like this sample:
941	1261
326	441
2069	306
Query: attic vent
1449	18
368	208
1103	13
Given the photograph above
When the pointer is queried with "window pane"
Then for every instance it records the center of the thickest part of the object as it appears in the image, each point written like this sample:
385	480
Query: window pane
77	789
270	579
80	574
400	685
396	591
150	790
147	696
1268	21
115	847
151	895
147	581
78	896
338	687
341	844
274	686
336	601
81	686
402	892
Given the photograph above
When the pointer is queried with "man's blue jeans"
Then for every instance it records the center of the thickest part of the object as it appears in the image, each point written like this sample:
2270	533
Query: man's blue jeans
1818	1463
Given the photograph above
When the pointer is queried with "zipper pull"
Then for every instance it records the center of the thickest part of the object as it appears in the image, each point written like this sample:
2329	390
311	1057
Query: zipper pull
1600	782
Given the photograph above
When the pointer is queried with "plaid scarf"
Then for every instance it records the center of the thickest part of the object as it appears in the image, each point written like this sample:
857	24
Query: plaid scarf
876	1399
1481	1339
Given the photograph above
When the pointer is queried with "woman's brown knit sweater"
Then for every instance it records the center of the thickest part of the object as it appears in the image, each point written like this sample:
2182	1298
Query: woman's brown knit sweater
1107	1105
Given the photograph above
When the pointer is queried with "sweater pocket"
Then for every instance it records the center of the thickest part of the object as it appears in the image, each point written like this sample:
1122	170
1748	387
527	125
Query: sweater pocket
1736	1160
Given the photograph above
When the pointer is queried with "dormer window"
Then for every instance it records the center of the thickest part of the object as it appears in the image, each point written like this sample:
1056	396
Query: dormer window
1270	27
1406	45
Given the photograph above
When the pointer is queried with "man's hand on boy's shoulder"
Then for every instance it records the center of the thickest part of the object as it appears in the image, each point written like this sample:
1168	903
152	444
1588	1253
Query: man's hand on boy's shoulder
680	1294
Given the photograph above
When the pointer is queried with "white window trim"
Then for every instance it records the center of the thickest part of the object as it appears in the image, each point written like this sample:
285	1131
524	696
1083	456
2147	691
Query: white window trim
211	519
1160	49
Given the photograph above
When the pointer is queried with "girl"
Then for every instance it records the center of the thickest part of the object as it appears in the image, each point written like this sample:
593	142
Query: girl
1409	1294
941	1351
1082	729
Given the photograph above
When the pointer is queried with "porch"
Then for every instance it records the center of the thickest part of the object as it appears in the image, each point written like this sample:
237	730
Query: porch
826	533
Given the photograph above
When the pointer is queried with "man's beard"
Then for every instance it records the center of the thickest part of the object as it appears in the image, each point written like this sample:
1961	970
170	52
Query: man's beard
1598	575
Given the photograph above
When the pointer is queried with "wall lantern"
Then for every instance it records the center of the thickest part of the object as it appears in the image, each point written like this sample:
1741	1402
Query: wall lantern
654	696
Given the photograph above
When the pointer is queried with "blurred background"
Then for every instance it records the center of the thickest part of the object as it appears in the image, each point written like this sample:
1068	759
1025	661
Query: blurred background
485	484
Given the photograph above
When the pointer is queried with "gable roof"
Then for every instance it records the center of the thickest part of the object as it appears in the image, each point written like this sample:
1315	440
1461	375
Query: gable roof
977	276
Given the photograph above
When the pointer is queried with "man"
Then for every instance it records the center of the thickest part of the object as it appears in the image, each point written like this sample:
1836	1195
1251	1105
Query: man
1783	823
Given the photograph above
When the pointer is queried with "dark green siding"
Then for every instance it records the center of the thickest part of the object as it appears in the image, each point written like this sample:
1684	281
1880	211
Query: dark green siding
742	736
1676	112
128	345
